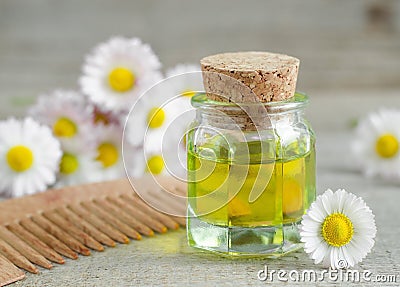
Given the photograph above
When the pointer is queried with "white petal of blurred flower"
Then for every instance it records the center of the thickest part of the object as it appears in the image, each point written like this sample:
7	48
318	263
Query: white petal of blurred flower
29	157
67	113
140	163
158	122
78	164
180	69
185	80
152	113
117	72
109	151
190	83
376	144
153	158
338	229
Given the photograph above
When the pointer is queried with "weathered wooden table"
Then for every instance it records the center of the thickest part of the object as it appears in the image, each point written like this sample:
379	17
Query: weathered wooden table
166	260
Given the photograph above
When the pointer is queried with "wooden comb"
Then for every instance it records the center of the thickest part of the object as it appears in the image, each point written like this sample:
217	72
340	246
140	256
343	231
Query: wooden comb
45	227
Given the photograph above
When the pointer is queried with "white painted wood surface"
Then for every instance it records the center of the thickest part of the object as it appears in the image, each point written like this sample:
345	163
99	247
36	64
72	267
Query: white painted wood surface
166	260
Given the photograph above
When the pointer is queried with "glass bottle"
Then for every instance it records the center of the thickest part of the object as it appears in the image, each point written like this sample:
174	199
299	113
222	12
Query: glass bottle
251	176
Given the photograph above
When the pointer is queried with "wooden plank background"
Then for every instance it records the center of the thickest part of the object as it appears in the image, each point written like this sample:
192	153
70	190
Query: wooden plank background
343	45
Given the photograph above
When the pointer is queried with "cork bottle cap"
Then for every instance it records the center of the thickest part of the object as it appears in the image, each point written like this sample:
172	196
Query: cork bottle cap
250	76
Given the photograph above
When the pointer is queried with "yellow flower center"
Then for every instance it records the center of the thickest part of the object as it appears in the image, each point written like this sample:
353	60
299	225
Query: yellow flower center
121	80
155	118
107	154
337	229
69	163
20	158
155	164
64	127
188	93
387	146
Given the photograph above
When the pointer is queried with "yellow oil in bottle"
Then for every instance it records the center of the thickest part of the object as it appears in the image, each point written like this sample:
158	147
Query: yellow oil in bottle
222	196
221	191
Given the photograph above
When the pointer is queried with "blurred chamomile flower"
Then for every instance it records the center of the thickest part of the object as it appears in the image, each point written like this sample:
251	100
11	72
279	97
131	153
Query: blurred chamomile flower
29	157
66	112
153	157
173	144
117	72
338	229
376	144
109	151
151	114
78	164
187	80
146	160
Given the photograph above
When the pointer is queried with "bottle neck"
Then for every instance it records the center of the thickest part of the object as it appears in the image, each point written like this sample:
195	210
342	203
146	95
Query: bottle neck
248	119
249	116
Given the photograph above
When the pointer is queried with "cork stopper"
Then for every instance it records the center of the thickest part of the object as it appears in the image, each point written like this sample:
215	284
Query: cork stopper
249	77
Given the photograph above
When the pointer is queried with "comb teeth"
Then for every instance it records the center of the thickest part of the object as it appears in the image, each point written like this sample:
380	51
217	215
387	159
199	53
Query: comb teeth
9	273
46	227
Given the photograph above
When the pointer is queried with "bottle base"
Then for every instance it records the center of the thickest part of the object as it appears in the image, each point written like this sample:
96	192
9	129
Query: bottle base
235	241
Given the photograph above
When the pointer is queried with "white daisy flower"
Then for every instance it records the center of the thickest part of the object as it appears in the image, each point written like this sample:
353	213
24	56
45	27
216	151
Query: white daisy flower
377	142
188	79
159	119
151	114
117	72
29	157
66	112
185	80
156	128
145	161
109	151
338	229
78	164
152	164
